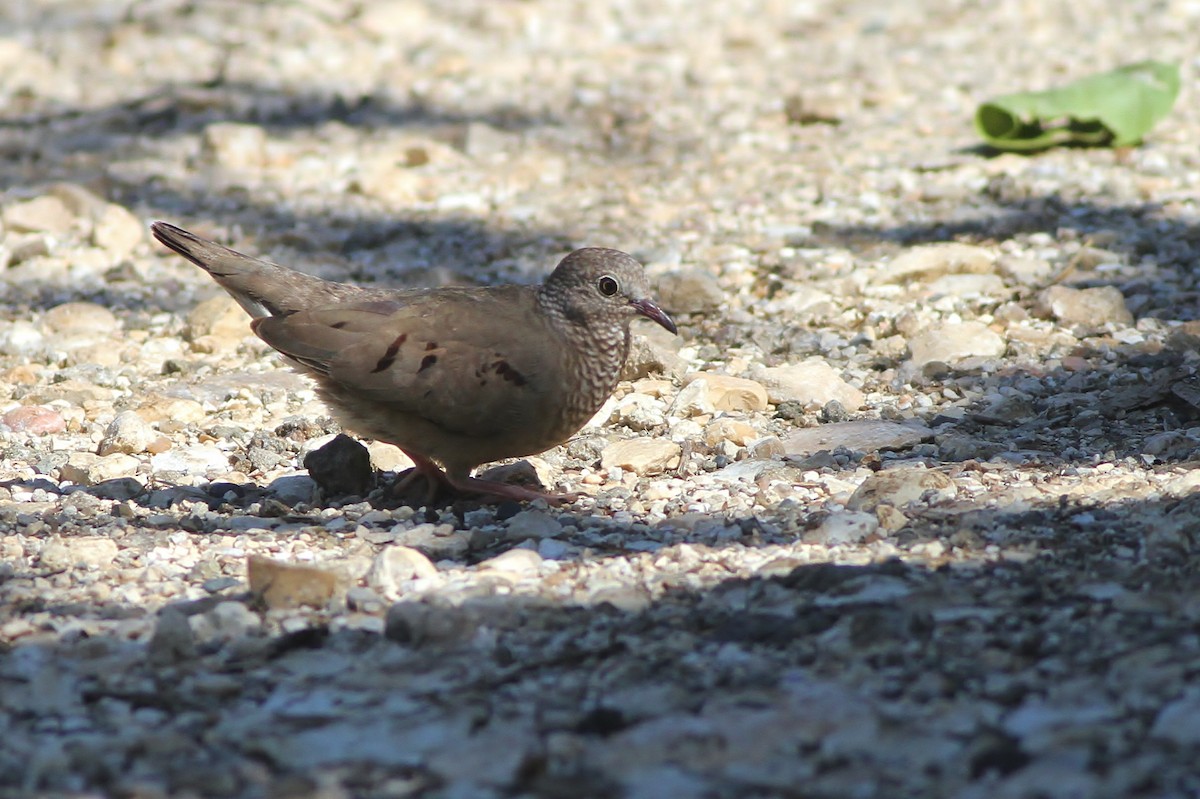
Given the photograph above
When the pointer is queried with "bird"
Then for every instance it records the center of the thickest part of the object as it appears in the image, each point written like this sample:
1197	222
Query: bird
454	376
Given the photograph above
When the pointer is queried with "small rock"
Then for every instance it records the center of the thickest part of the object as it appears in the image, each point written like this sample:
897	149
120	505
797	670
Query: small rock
118	489
693	400
811	382
79	319
742	470
653	351
217	324
553	549
967	286
117	230
18	248
1179	721
86	469
173	640
528	472
731	430
388	457
416	624
628	598
364	599
725	393
534	524
177	410
934	260
293	489
341	468
736	394
397	565
689	292
23	374
393	20
481	140
35	420
225	621
45	214
197	459
516	561
21	338
640	412
86	350
767	447
91	551
953	342
284	585
850	527
439	542
898	487
234	146
129	433
816	108
890	519
1025	271
390	180
1087	308
866	435
641	455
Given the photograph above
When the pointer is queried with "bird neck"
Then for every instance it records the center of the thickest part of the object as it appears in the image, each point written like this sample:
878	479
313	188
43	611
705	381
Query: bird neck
595	354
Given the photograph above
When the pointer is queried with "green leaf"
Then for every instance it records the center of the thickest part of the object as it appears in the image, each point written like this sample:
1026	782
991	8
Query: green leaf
1112	109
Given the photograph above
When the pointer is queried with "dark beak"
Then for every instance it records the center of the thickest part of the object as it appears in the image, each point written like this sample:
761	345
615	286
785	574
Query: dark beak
648	309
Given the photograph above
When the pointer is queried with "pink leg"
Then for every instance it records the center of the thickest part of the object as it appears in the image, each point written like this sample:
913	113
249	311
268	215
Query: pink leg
423	467
486	490
491	491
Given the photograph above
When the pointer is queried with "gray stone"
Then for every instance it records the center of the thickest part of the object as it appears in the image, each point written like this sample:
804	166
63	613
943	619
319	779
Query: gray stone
341	467
898	487
866	435
811	382
293	489
395	567
86	551
689	292
534	524
951	343
843	527
934	260
1087	308
129	433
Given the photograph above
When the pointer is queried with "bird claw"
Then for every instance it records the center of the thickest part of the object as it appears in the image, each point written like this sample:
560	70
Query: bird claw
486	491
492	491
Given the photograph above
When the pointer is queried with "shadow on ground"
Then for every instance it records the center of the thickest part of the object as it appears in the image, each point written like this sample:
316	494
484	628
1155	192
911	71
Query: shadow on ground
877	672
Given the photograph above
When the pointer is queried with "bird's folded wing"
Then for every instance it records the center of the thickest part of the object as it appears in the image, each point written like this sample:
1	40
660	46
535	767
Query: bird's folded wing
470	375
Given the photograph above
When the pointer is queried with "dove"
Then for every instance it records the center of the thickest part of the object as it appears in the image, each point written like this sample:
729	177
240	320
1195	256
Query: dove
455	376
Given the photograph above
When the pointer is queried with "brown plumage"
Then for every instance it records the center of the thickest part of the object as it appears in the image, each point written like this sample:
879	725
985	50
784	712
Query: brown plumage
452	376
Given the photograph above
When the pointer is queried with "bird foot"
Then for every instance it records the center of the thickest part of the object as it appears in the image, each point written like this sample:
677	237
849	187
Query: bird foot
486	491
435	478
492	491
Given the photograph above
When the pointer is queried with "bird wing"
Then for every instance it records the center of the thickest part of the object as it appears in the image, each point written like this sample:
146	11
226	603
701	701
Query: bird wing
467	361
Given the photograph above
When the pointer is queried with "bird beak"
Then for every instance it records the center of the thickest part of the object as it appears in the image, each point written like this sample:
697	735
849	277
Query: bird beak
648	309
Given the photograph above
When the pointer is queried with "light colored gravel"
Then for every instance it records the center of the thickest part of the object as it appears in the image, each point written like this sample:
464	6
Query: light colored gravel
909	508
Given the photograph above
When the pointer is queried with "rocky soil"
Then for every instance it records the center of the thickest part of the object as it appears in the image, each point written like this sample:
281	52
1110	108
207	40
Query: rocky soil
909	508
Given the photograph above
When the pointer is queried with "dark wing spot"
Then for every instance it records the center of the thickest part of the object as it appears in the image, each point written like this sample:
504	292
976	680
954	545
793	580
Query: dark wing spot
431	346
339	325
426	362
508	373
389	356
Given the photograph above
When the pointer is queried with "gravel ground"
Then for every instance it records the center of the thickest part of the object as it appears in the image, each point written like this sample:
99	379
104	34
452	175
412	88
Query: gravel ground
907	509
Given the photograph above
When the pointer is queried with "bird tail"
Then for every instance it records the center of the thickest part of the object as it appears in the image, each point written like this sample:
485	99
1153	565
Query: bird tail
261	288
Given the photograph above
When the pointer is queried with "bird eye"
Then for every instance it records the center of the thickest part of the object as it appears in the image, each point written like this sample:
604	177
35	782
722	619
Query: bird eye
607	285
